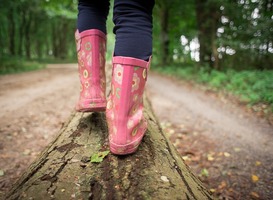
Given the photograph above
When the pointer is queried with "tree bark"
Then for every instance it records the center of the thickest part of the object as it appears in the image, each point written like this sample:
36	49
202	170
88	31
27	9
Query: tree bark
63	170
164	34
54	40
207	16
27	35
22	12
63	39
11	32
215	54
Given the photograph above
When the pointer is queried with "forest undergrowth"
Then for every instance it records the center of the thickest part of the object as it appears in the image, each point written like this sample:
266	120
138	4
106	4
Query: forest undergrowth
18	65
252	87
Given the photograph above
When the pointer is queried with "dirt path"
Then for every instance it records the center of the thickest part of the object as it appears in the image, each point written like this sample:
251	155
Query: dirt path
218	139
218	136
34	106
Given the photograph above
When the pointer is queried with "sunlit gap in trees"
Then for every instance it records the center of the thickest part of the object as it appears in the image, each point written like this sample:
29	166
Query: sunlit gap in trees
193	46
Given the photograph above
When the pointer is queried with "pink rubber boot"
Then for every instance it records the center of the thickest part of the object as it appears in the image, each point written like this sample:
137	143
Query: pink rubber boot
124	110
91	47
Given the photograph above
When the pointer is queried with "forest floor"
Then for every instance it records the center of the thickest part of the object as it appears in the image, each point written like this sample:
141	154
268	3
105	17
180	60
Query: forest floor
225	144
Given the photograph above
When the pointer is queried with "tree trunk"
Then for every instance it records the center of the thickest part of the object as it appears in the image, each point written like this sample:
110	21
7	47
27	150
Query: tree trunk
11	32
27	35
215	54
207	20
55	39
63	28
21	30
164	34
63	170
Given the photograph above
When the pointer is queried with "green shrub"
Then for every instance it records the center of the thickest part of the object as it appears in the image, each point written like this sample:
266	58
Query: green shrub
252	86
17	65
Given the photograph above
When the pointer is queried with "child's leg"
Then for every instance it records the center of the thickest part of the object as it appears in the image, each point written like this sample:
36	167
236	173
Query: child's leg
131	61
92	15
91	47
133	28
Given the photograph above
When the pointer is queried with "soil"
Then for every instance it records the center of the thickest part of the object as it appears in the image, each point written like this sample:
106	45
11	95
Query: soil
228	147
34	106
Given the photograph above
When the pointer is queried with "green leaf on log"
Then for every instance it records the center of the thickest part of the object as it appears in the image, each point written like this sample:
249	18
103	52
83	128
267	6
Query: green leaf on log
98	157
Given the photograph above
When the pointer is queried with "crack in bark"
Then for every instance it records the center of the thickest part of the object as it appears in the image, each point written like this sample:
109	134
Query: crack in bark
68	146
104	183
96	190
54	178
67	149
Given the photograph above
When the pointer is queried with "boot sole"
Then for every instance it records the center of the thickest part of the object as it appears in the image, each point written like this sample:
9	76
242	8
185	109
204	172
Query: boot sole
100	107
125	149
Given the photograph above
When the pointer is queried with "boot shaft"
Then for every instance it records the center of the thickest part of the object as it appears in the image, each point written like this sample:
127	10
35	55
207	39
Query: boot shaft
125	105
91	47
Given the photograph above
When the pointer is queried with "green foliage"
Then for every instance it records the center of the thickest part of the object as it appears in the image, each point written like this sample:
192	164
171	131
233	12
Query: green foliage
172	19
37	29
17	65
250	86
246	30
45	30
66	8
231	34
204	172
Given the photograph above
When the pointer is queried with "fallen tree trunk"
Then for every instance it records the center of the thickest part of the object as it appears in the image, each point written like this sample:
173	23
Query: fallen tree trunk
64	170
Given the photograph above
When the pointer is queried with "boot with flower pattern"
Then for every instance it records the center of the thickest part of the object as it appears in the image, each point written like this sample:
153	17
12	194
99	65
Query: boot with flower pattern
124	110
91	47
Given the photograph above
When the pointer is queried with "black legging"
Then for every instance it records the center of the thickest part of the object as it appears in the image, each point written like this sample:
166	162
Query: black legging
133	24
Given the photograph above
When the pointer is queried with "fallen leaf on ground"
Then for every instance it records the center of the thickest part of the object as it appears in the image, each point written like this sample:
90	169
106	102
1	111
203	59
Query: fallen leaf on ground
171	131
237	149
27	152
98	157
186	158
205	172
212	190
226	154
254	195
254	178
2	173
210	157
222	185
258	163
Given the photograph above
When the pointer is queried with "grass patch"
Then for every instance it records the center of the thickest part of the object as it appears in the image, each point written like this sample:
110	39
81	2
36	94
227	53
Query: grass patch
251	86
18	65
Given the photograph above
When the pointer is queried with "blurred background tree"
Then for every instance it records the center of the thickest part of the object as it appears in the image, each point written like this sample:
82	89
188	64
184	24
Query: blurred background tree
35	29
217	34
